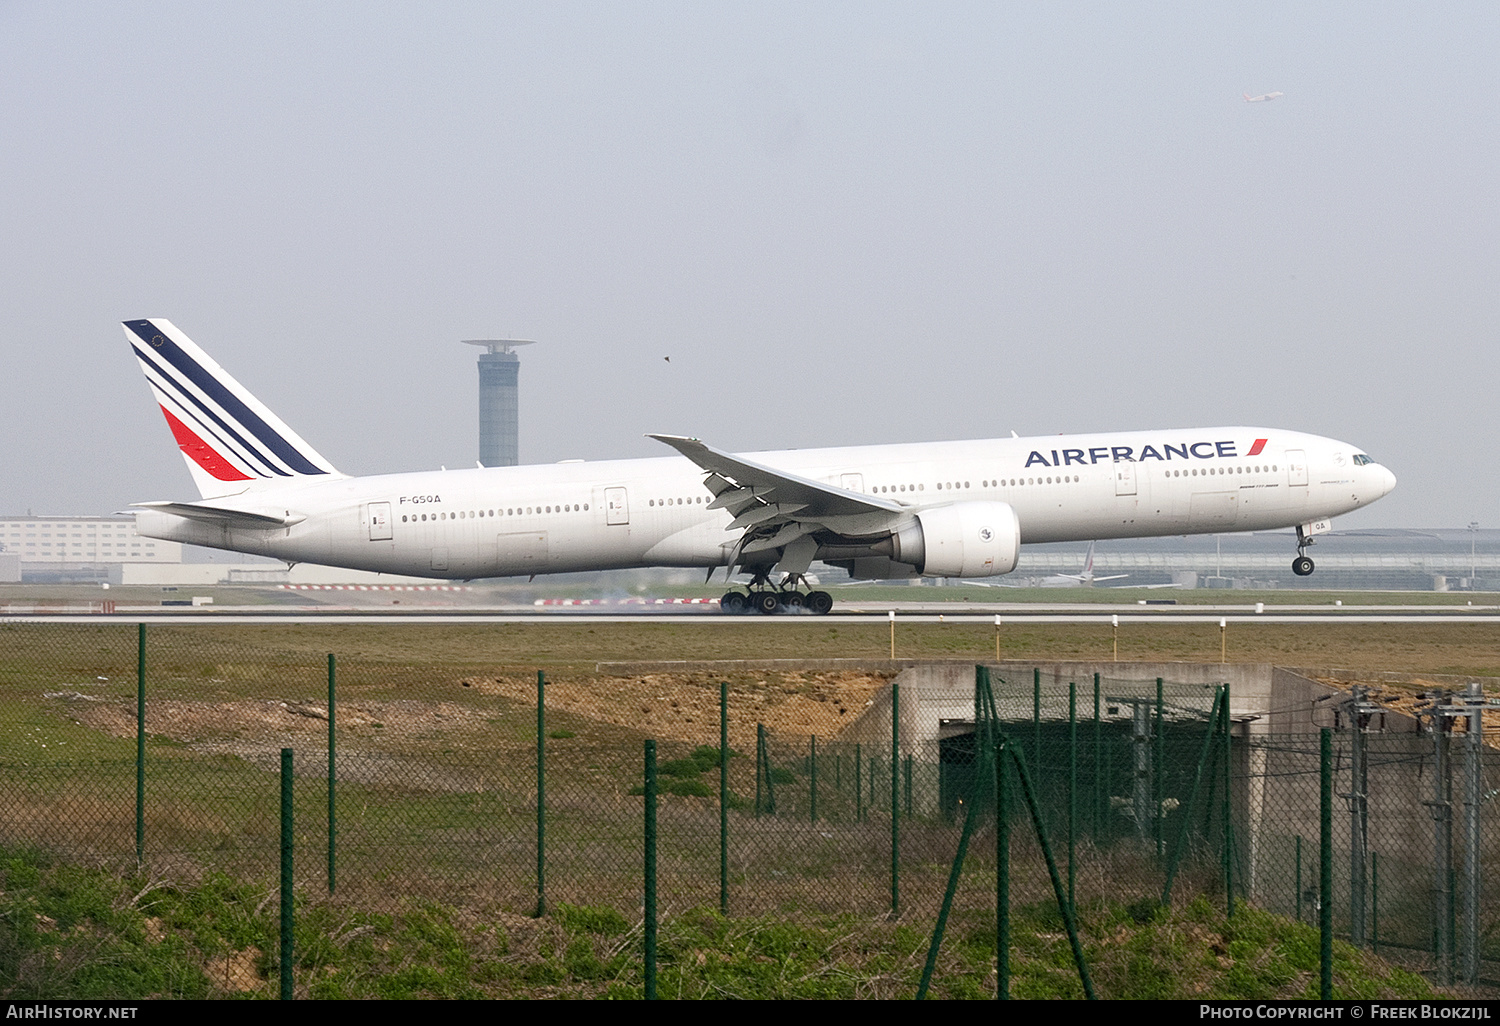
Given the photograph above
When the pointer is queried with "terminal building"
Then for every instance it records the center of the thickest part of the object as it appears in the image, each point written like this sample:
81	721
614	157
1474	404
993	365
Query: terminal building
1461	559
77	549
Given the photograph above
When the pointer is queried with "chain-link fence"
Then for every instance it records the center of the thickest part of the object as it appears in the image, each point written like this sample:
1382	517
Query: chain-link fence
1412	828
162	747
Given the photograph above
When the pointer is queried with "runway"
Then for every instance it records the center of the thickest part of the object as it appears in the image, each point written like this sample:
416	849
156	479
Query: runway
854	613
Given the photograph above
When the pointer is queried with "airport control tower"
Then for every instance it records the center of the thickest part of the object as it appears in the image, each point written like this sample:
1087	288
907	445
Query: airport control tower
499	401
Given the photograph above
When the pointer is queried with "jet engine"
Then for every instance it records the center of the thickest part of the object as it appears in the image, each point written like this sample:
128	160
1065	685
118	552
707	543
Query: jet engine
966	539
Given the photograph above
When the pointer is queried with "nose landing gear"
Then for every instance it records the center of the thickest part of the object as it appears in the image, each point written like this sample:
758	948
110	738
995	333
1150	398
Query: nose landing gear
1302	566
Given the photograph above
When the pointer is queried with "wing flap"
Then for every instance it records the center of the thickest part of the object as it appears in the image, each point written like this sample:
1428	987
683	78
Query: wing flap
816	498
778	512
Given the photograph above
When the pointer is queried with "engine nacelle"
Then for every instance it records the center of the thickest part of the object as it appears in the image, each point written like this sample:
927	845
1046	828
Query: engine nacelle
966	539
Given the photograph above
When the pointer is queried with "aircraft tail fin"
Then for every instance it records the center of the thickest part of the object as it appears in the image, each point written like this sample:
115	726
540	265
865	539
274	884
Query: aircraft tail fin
228	437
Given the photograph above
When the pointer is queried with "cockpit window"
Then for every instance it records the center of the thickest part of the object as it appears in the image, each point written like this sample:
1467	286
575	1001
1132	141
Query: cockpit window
1360	459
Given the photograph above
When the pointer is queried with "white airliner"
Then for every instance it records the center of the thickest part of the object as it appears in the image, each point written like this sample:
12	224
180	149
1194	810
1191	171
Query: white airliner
1083	580
1263	98
936	509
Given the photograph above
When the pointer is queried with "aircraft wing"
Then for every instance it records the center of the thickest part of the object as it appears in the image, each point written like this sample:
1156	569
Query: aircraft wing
776	508
221	516
742	479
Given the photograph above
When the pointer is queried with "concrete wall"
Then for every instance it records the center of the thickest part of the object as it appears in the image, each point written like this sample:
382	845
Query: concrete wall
1279	712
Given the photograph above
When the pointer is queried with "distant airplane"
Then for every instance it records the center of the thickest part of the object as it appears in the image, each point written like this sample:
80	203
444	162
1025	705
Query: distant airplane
1263	97
1083	580
934	509
1086	579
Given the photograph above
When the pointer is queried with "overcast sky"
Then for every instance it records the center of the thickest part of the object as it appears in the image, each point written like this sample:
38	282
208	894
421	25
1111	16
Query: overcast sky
843	223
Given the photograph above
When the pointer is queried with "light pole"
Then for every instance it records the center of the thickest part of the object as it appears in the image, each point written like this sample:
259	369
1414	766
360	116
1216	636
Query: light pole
1473	564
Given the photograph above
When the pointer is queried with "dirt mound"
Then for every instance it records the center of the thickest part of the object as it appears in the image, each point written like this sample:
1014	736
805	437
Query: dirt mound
1409	697
267	719
686	706
667	705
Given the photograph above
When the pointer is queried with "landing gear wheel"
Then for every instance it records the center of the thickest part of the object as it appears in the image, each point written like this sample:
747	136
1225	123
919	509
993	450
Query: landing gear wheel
1302	566
792	600
819	603
733	603
767	602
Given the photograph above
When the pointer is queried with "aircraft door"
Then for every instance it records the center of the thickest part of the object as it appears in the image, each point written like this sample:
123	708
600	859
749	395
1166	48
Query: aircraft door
616	506
852	482
1124	477
379	514
1296	467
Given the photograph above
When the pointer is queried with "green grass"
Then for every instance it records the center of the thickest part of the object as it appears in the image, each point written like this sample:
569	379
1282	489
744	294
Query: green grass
72	932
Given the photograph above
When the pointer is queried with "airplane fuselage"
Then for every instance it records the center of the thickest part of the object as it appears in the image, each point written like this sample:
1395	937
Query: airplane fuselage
580	516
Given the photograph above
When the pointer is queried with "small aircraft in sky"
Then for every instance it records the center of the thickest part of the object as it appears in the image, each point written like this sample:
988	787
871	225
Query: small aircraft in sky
1263	97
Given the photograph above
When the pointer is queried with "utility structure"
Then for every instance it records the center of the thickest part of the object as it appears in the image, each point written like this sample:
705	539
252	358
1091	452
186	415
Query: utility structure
1446	710
499	400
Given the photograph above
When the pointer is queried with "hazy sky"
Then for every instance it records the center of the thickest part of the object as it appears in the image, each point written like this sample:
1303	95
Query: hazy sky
843	223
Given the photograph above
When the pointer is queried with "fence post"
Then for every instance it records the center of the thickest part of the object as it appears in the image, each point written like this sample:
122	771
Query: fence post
288	898
812	779
1187	811
1227	809
649	911
140	744
1158	774
859	787
895	799
947	906
724	797
1375	902
541	794
332	824
1299	878
1358	818
1072	790
760	754
1098	814
1442	862
1036	716
1028	792
1325	864
1473	767
1002	877
765	760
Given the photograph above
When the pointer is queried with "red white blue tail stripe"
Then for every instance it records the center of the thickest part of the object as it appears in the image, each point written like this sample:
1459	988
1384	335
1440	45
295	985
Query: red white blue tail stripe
226	435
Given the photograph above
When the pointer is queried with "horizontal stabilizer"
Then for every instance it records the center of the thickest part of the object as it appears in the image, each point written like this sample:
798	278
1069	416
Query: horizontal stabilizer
223	517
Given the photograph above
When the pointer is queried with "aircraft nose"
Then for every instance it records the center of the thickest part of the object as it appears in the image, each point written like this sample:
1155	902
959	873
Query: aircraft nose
1387	481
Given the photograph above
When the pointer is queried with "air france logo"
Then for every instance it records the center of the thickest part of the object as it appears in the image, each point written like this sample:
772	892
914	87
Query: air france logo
985	534
1127	453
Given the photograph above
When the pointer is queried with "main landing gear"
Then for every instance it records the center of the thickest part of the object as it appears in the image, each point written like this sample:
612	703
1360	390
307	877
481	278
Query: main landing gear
1302	565
767	598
